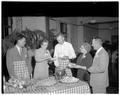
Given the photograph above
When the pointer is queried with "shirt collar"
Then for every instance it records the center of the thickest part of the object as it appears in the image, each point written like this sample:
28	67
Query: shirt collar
18	48
63	43
99	50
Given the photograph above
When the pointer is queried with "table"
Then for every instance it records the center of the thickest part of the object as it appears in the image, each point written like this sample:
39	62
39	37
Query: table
66	88
76	88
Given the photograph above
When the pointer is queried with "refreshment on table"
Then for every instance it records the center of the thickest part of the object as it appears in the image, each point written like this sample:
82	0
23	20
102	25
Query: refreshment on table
59	73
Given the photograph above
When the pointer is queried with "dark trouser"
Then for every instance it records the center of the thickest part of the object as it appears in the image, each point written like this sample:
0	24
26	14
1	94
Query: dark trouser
83	75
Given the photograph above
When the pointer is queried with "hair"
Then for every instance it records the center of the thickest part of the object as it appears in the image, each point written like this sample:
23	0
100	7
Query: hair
87	46
18	37
98	39
44	41
60	34
41	43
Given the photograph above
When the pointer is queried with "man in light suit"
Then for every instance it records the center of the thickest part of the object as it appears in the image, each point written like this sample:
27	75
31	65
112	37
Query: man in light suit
15	54
99	69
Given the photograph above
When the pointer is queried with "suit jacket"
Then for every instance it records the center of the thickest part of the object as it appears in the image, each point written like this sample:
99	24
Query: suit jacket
99	69
13	55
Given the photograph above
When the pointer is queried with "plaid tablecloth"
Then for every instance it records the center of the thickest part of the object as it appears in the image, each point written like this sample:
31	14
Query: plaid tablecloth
66	88
75	88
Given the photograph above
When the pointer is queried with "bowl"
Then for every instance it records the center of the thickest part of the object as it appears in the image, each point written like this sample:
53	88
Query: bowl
59	73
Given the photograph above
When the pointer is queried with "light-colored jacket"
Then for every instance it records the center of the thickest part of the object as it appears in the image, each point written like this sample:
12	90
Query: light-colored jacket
99	69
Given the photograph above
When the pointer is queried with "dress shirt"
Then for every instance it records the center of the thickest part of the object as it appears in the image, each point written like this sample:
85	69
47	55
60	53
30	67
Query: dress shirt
65	49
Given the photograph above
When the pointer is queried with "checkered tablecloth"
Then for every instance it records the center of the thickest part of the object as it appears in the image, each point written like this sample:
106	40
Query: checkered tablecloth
68	88
65	88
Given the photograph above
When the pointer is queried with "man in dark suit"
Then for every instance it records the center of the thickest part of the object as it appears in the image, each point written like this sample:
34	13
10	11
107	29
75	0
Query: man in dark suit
16	59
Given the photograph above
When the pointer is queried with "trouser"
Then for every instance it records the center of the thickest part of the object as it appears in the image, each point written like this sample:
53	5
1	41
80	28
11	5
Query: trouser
99	90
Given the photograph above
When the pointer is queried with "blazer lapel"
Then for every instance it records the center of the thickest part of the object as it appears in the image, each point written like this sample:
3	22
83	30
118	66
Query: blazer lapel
17	50
97	56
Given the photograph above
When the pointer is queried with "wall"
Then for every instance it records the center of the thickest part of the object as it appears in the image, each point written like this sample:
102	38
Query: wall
32	23
90	31
80	34
77	33
74	33
107	30
85	20
74	37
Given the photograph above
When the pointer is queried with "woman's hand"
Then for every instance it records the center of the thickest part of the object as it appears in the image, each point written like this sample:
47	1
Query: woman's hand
82	67
53	59
72	65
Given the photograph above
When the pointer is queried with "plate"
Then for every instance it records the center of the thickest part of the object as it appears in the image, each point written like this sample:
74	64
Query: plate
69	80
47	82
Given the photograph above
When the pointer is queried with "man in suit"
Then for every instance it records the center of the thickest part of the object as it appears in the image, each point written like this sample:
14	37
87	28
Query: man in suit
99	69
16	59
